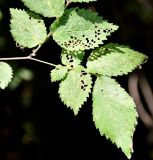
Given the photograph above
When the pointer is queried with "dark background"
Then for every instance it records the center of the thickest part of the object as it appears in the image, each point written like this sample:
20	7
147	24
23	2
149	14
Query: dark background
34	123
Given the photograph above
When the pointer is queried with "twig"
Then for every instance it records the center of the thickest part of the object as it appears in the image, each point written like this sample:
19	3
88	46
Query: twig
68	2
31	55
38	60
133	90
39	46
27	58
146	91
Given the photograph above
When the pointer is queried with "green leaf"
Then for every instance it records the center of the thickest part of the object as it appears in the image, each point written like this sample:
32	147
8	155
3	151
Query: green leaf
47	8
58	73
5	74
27	31
81	1
80	29
72	58
114	113
75	88
114	60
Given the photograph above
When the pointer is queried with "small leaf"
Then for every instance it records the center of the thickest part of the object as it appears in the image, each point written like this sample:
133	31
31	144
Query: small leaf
114	113
58	73
71	58
27	31
80	29
114	60
81	1
47	8
75	89
5	74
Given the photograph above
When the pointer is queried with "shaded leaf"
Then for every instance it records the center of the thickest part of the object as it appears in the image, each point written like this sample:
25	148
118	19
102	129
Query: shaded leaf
27	31
114	113
5	74
47	8
80	29
114	60
75	88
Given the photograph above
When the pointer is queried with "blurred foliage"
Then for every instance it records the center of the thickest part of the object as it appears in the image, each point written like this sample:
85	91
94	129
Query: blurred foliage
21	74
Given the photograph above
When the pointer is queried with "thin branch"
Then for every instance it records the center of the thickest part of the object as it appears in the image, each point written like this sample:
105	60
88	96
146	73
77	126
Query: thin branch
35	51
39	46
13	58
49	34
146	91
31	55
27	58
133	90
67	3
38	60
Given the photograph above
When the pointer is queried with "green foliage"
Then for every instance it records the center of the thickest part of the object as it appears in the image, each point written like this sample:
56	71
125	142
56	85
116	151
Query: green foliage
22	74
114	60
72	58
77	30
47	8
27	31
5	74
114	113
75	88
80	29
58	73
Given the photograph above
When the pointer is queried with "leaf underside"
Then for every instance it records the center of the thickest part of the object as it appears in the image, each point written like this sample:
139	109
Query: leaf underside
5	74
75	88
80	29
114	60
58	73
27	31
47	8
114	113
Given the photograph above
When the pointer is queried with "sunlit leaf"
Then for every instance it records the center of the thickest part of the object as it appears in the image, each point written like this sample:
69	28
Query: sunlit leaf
47	8
27	31
5	74
114	113
80	29
58	73
114	60
75	88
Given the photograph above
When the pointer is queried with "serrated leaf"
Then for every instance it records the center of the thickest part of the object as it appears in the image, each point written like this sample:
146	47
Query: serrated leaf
58	73
114	60
81	1
5	74
75	88
27	31
114	113
80	29
47	8
71	58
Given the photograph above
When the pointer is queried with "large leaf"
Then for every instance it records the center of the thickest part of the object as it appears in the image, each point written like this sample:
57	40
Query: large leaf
47	8
114	113
75	88
5	74
114	59
71	58
58	73
80	29
27	31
